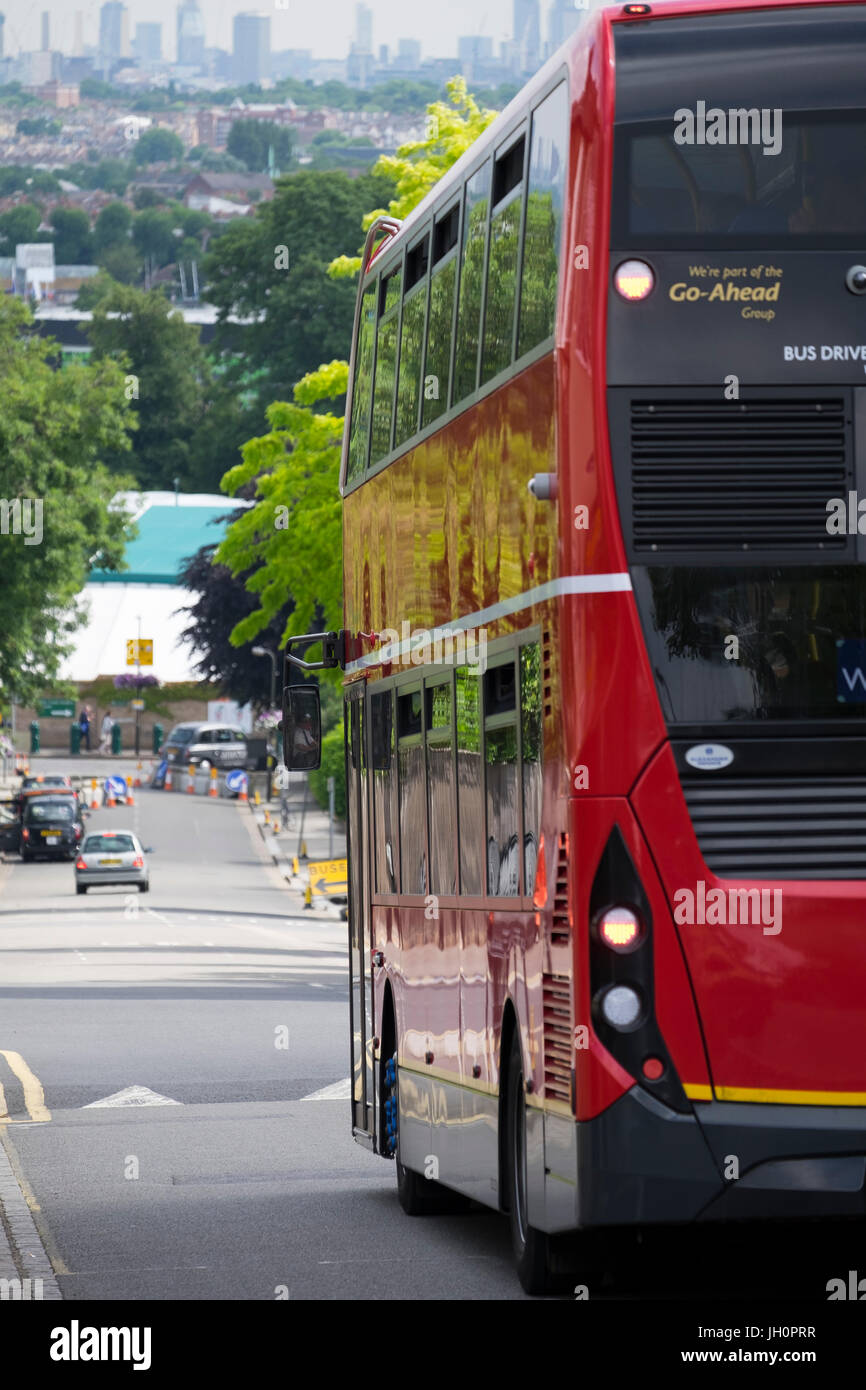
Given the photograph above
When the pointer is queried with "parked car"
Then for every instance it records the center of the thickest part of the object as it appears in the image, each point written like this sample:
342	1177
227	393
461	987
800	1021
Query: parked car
40	781
112	856
51	825
219	745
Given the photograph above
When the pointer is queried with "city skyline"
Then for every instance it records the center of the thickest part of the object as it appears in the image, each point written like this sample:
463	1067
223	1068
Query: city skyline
327	30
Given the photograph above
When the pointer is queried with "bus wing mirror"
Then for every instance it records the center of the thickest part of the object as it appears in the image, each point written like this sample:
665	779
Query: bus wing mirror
302	728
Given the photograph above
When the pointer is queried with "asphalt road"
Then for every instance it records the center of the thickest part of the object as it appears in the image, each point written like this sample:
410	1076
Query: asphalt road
214	992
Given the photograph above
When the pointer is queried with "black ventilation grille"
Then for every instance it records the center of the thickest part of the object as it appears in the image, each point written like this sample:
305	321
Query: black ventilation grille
737	475
781	827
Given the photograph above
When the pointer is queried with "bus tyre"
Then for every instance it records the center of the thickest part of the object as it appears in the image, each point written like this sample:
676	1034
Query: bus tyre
417	1195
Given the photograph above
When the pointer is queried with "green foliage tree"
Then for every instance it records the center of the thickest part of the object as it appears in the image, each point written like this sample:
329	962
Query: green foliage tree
252	141
157	146
55	430
112	228
122	262
37	125
167	378
153	235
290	538
73	242
18	225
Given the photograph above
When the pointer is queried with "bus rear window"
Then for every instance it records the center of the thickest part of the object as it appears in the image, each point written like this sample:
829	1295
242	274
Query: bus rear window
786	179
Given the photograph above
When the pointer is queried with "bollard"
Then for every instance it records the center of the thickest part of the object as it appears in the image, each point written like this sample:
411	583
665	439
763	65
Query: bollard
258	799
74	740
116	734
213	789
34	736
190	786
94	803
308	897
267	816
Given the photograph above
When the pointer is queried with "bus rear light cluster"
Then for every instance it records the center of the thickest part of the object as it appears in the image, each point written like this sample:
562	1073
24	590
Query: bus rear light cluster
634	280
620	929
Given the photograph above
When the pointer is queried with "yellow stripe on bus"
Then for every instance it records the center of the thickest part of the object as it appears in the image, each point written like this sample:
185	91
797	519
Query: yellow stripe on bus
769	1096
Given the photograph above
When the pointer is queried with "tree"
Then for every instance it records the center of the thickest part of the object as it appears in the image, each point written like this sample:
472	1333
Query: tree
113	226
272	268
166	372
121	262
55	429
73	243
221	602
19	225
452	126
157	146
153	235
289	543
252	141
37	125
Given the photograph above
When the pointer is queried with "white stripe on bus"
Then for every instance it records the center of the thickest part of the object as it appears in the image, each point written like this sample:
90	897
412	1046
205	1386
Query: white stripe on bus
554	588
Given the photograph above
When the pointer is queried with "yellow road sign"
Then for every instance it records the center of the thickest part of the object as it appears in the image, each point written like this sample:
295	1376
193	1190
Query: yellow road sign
329	877
139	652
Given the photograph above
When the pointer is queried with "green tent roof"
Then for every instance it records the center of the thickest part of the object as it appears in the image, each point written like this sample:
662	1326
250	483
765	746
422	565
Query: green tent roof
167	536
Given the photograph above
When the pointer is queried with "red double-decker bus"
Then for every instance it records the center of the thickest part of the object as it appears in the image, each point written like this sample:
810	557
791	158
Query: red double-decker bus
605	640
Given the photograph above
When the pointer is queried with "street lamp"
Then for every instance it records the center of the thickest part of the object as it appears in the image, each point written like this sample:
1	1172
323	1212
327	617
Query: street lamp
266	651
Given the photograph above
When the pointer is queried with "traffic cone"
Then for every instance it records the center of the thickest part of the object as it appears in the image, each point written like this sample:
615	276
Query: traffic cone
129	797
242	794
94	799
137	782
168	779
110	802
190	786
213	789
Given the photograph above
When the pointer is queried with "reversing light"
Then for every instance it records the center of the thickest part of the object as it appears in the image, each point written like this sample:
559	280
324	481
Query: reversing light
620	928
621	1007
634	280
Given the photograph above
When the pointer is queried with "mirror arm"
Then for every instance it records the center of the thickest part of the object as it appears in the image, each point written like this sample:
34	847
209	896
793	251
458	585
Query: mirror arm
333	652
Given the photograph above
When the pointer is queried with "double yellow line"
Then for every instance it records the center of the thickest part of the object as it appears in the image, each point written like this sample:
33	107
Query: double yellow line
34	1096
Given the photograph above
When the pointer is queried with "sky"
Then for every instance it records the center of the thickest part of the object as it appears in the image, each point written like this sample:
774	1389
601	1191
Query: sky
325	26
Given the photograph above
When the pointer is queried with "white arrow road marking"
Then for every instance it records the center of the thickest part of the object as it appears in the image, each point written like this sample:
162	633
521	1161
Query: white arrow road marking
132	1095
340	1090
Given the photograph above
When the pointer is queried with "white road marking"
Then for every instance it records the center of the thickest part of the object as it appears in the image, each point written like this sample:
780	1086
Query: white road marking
340	1090
132	1095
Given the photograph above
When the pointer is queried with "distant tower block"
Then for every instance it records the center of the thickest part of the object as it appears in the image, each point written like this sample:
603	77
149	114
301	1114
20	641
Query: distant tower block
78	41
2	22
46	32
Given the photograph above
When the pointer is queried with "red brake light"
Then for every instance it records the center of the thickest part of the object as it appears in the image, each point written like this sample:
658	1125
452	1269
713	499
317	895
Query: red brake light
25	834
619	928
636	9
634	280
138	862
79	863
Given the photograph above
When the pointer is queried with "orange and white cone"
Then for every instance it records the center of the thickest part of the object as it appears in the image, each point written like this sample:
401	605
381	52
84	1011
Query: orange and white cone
190	786
137	782
242	794
213	789
167	783
130	801
94	799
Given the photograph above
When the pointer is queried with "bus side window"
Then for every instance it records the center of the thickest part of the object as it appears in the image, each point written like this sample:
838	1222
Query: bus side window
469	781
502	267
502	786
413	796
532	750
471	282
544	218
412	342
443	283
384	791
440	789
360	431
386	363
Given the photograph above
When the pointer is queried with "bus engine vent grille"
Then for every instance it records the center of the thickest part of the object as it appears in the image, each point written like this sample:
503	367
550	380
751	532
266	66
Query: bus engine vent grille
560	924
557	1037
782	827
737	475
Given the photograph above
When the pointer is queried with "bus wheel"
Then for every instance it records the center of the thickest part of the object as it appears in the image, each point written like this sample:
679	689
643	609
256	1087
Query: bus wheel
530	1246
417	1195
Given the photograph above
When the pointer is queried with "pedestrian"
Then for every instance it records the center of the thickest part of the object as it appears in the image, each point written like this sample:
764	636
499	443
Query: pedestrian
84	726
107	726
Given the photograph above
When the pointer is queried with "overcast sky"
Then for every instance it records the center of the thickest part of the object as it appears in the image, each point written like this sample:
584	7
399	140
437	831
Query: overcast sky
325	26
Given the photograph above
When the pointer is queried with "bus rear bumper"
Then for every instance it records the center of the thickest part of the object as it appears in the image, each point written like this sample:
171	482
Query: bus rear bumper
640	1162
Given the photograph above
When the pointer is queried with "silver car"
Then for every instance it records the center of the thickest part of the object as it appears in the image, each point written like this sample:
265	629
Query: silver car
111	856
